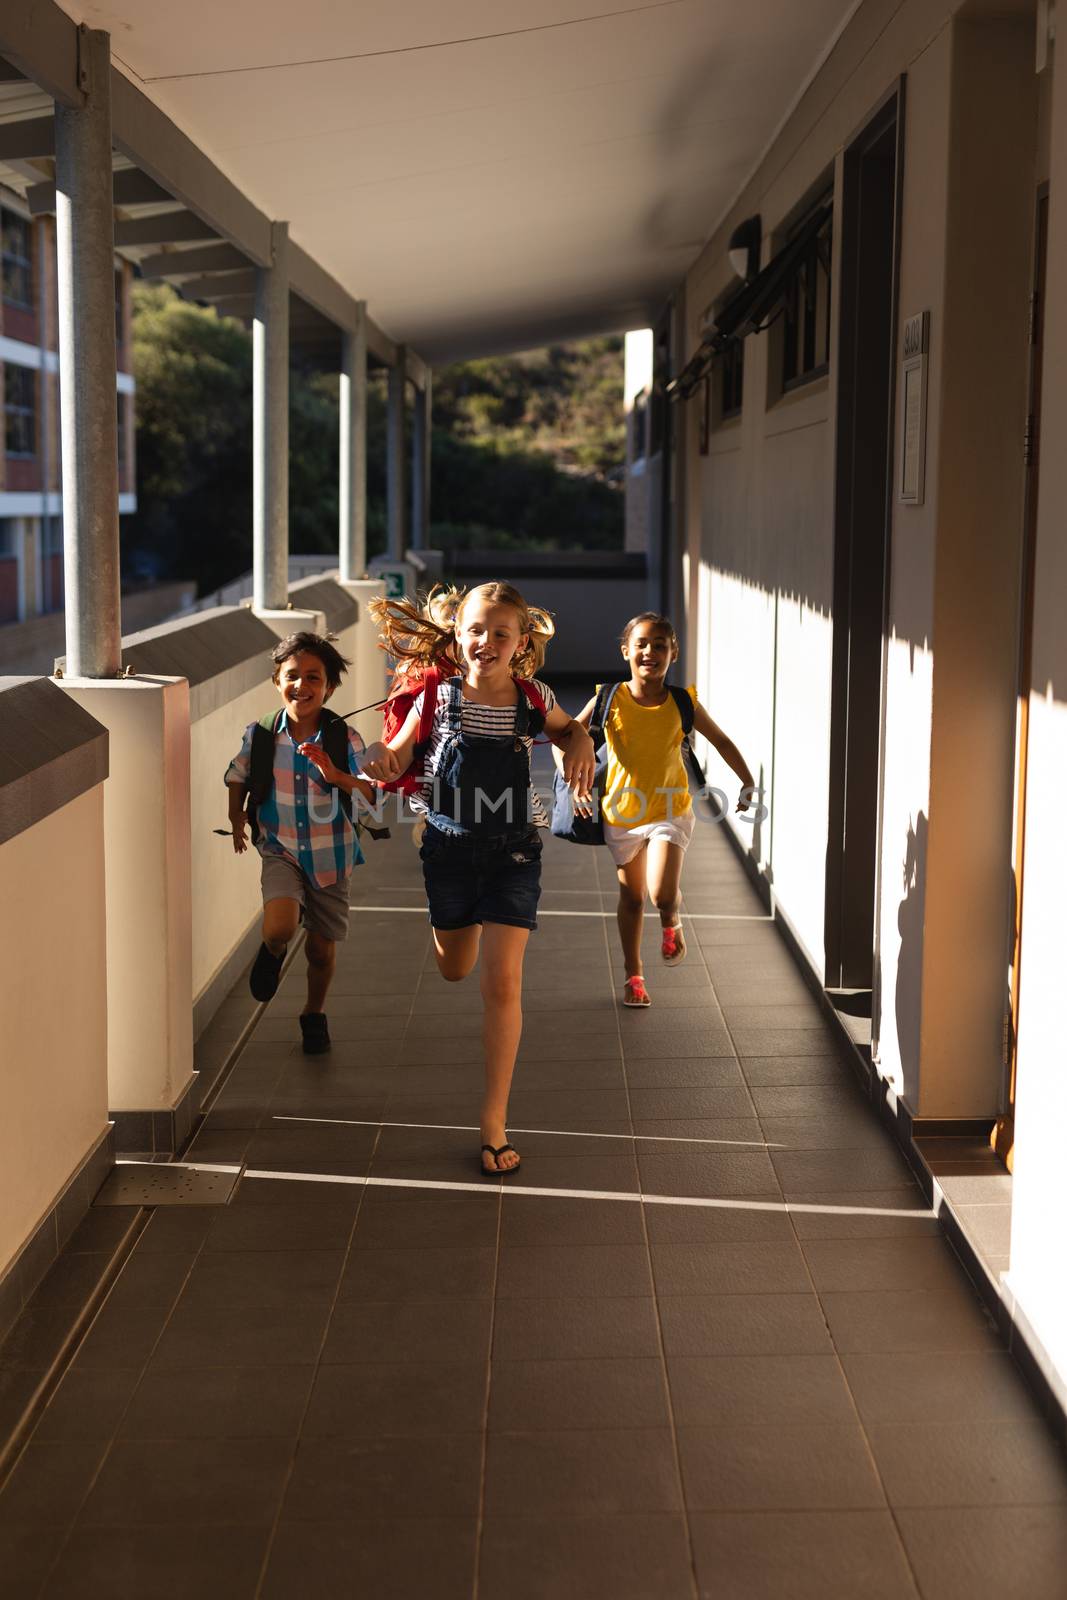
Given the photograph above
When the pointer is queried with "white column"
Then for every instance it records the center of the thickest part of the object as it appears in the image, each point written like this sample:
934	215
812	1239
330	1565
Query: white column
396	488
369	677
352	484
147	851
270	428
420	466
85	245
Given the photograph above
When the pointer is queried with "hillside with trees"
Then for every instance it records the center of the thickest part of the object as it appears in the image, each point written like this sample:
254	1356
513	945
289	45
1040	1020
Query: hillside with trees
527	449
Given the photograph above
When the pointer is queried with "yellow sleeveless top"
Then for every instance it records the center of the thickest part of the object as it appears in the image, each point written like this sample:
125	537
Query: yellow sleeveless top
644	755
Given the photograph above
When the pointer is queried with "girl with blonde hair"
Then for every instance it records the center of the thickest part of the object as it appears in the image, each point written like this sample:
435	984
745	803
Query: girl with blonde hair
480	852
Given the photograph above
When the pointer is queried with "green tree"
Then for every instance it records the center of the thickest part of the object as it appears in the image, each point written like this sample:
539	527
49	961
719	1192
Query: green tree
194	440
526	450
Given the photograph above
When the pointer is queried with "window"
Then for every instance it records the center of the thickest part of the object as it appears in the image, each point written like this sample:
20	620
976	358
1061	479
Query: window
9	571
52	563
20	410
17	259
805	341
731	365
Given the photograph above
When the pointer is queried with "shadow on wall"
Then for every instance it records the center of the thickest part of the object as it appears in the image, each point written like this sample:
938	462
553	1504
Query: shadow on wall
910	914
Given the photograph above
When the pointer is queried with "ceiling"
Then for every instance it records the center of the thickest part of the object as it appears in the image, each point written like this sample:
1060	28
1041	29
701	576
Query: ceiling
486	174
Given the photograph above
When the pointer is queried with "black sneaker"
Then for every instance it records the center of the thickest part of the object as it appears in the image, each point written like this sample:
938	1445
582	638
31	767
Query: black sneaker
316	1033
266	970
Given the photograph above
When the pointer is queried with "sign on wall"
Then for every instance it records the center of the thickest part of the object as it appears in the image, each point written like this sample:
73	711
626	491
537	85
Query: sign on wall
395	576
913	409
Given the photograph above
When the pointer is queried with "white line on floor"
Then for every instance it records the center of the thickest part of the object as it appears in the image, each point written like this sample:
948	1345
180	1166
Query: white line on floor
595	1194
690	916
184	1166
555	1133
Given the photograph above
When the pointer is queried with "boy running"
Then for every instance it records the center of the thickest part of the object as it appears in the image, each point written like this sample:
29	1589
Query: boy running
300	820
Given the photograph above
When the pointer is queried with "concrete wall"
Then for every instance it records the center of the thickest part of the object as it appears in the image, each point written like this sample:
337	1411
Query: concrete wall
53	1066
55	1018
761	533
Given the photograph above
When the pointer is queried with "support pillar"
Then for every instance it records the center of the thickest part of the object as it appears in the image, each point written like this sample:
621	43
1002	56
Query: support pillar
352	484
146	796
148	887
270	429
85	242
369	677
420	466
396	489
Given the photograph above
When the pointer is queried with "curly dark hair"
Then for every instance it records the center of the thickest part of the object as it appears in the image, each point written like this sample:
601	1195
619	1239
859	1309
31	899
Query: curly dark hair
312	644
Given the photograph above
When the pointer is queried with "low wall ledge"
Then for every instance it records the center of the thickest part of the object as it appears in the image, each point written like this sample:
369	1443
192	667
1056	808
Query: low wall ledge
201	646
326	595
51	751
222	653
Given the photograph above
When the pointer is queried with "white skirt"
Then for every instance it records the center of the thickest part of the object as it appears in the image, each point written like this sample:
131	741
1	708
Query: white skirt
625	843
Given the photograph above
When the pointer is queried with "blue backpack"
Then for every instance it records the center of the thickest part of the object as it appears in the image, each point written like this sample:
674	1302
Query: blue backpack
569	824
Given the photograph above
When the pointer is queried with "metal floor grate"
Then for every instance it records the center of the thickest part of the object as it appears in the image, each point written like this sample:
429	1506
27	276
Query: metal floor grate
149	1183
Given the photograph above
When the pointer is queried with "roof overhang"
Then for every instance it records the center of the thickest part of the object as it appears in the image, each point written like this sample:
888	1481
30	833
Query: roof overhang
482	174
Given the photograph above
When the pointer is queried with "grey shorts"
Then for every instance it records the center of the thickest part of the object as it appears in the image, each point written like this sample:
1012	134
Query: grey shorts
322	911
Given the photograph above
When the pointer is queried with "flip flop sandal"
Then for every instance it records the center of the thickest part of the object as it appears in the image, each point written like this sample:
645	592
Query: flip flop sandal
496	1152
672	947
634	993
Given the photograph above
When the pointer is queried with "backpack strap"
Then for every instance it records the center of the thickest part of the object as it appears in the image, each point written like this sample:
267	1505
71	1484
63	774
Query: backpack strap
335	744
687	711
261	768
534	702
605	694
533	694
684	702
430	684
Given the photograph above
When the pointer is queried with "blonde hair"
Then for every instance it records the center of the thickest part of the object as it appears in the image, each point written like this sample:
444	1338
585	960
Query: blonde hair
424	636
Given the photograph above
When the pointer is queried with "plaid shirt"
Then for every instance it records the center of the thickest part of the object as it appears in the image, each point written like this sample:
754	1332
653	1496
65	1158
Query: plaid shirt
302	818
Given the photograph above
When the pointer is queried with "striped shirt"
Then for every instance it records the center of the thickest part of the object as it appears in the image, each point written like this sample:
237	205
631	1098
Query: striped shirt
479	722
302	818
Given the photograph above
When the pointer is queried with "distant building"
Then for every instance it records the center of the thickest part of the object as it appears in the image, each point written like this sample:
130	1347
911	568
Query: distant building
31	510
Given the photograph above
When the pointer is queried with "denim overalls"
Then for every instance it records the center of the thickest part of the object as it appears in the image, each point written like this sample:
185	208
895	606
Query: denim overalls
481	853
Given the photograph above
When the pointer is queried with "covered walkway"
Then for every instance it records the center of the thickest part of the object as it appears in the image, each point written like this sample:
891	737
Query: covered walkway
709	1342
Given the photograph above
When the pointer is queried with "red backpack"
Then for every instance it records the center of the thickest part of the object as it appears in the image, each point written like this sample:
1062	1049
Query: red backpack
395	713
398	708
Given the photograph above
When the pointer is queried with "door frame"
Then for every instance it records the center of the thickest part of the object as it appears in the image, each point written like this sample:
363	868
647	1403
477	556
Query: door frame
1002	1138
888	113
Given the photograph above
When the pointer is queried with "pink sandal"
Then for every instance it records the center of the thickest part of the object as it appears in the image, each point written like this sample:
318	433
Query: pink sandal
634	993
673	947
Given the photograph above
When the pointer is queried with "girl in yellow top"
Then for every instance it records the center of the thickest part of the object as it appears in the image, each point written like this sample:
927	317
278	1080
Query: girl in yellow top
647	807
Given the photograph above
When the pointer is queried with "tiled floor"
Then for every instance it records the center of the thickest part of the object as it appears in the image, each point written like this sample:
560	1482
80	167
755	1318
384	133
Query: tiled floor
547	1388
